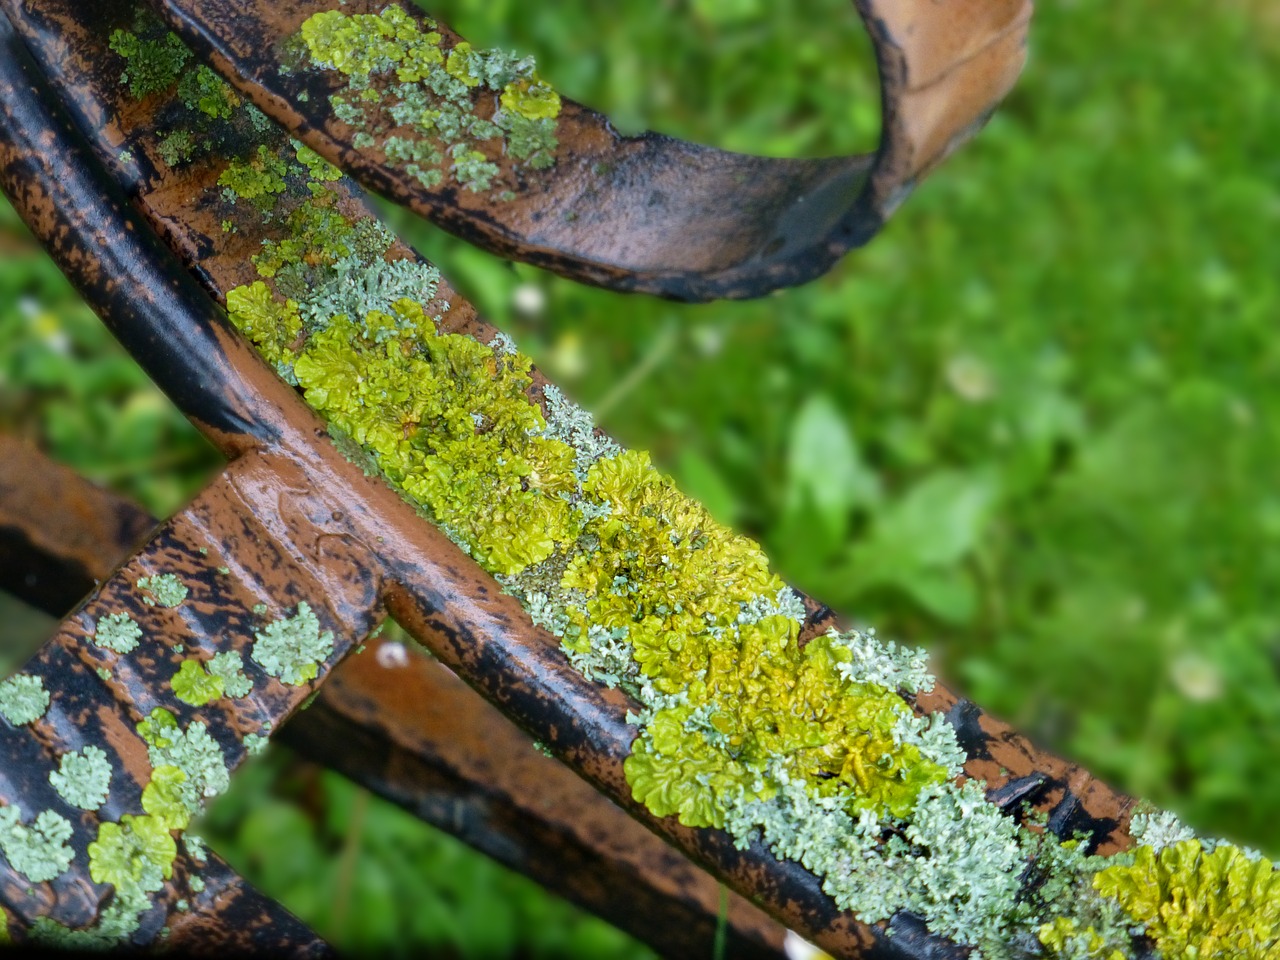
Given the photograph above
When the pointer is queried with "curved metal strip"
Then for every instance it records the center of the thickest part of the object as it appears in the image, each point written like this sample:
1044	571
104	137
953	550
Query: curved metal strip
649	213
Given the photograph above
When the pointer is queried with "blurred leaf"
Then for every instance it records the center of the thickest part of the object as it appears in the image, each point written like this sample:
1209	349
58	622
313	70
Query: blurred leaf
824	469
935	523
702	481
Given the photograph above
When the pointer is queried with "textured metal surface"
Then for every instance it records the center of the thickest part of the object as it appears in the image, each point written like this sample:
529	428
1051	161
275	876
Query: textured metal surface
652	213
409	730
100	697
424	580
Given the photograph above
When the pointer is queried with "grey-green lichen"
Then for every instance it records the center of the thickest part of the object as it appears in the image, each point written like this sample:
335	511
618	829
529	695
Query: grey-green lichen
117	632
292	648
83	777
192	750
39	850
228	667
23	699
162	589
434	113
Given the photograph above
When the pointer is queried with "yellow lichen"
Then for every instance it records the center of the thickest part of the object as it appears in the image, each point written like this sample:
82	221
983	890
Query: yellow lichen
1197	904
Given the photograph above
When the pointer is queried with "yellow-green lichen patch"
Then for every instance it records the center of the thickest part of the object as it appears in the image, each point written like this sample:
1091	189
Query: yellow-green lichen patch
292	648
162	798
430	115
272	325
259	179
1200	903
83	777
117	632
192	750
1064	937
163	590
135	856
39	850
195	685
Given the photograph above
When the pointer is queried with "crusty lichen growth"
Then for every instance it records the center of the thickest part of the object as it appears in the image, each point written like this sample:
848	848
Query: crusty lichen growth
162	589
430	114
83	777
23	699
117	632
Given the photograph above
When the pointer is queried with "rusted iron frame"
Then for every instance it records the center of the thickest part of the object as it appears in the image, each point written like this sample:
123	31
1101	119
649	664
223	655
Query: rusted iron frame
697	223
181	338
491	643
408	730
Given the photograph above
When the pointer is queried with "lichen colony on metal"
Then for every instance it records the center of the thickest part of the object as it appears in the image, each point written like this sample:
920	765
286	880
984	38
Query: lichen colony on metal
814	749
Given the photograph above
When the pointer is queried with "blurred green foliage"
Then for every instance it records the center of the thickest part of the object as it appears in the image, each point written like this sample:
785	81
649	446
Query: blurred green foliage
1033	425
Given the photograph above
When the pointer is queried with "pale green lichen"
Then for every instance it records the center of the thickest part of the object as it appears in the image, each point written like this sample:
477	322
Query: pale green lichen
83	777
117	632
1158	829
431	114
117	923
193	751
162	589
195	848
23	699
228	667
195	685
255	743
292	648
39	850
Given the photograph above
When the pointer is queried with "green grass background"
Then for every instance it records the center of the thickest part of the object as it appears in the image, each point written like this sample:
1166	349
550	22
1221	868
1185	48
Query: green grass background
1033	426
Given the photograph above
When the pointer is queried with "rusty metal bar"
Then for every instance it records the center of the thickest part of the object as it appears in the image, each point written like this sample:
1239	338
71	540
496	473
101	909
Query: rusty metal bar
59	534
409	730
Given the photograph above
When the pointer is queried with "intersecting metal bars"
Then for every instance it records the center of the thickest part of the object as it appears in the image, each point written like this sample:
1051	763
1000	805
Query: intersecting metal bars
317	520
409	730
